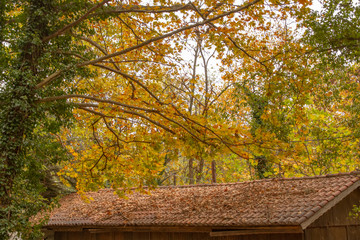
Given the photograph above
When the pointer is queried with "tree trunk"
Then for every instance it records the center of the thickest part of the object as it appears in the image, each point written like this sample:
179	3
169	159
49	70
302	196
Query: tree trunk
262	166
191	171
199	172
16	114
213	172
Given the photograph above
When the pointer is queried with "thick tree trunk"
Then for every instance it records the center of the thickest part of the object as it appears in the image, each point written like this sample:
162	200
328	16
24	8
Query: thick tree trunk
18	108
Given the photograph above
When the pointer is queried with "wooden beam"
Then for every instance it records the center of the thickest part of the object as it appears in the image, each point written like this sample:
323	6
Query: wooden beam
255	231
64	229
335	225
99	229
209	229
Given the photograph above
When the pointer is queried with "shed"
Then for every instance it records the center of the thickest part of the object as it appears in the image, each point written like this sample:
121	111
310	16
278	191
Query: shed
306	208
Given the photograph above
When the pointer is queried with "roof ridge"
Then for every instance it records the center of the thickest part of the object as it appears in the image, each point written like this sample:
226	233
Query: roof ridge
247	181
264	180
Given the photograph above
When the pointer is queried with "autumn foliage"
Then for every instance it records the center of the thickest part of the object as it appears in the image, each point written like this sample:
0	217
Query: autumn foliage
142	93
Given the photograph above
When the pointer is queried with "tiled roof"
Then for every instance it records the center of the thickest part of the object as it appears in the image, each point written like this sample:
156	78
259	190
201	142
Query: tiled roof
254	203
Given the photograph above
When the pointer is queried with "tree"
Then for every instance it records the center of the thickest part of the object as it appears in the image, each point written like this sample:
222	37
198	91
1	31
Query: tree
332	109
114	66
334	31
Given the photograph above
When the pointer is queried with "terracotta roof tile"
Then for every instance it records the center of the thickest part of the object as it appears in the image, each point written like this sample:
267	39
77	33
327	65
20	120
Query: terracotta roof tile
260	202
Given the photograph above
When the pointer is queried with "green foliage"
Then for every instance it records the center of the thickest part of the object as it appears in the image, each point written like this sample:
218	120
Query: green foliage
355	212
334	36
335	32
25	144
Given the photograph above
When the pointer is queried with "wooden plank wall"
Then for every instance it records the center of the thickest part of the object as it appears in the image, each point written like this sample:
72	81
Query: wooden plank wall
166	236
336	224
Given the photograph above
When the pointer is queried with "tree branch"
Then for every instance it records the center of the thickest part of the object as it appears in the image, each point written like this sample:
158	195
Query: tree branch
147	42
169	34
96	112
130	78
231	39
136	114
50	99
60	31
80	105
103	115
143	9
50	78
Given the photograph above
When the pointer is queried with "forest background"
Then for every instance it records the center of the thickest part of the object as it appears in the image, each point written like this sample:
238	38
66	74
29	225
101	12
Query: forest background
134	94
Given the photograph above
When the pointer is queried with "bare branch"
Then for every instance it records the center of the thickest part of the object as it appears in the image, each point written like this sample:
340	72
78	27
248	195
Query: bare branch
219	95
136	36
80	105
50	78
99	144
101	49
185	128
103	115
231	39
95	112
149	119
119	139
95	44
193	76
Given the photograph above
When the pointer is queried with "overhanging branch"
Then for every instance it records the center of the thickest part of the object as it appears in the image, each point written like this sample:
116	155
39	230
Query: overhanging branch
55	98
168	34
143	9
53	76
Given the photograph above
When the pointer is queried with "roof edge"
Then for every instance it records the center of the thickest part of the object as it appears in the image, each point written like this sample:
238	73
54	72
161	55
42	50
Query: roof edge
171	228
330	204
